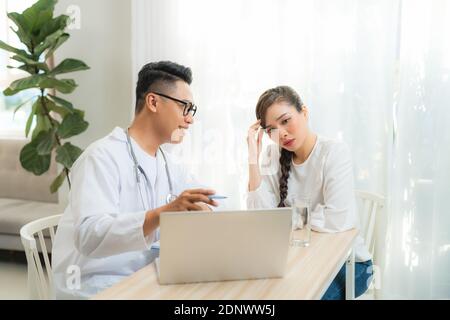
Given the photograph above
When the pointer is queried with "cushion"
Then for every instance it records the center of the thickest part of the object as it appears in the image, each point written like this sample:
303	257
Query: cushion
16	182
16	213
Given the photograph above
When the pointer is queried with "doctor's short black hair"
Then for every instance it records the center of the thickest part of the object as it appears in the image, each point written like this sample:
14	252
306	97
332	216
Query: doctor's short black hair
158	76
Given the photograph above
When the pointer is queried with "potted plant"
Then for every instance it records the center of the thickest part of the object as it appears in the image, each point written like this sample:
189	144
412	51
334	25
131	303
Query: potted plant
56	119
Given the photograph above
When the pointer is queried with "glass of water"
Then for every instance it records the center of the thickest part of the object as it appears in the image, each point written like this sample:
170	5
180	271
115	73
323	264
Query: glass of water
301	221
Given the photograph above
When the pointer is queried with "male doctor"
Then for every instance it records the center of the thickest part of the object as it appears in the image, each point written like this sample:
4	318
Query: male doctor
120	186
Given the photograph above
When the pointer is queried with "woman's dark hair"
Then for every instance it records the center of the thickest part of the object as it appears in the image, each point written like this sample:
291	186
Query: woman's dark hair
159	74
267	99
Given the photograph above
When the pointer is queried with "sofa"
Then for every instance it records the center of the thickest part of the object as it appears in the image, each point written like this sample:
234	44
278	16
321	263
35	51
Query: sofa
24	197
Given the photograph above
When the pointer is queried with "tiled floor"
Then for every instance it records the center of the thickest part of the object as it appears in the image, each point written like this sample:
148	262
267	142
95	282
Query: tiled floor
13	279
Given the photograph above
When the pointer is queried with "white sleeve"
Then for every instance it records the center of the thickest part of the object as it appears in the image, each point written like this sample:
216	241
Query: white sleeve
101	230
263	197
337	213
267	194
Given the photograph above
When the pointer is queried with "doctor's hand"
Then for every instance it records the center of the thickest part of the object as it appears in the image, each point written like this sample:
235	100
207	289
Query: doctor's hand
192	200
189	200
254	141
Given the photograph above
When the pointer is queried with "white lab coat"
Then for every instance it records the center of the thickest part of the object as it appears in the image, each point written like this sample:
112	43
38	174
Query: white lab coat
100	233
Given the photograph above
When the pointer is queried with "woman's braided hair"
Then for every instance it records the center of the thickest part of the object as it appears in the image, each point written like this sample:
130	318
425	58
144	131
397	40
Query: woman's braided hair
267	99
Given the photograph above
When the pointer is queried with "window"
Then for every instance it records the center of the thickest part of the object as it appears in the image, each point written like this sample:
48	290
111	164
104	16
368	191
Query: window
10	124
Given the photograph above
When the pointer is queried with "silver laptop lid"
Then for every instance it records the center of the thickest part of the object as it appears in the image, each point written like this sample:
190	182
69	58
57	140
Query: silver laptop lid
228	245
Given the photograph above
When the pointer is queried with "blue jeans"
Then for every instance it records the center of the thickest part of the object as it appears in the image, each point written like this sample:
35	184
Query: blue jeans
363	273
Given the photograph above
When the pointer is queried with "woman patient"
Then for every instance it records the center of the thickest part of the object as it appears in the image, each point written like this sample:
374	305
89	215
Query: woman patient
306	165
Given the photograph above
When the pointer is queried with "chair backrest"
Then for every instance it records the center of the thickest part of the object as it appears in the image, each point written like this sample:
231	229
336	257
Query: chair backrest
370	206
40	285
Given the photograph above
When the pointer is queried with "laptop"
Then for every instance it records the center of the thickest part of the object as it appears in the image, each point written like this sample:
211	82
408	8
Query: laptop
223	245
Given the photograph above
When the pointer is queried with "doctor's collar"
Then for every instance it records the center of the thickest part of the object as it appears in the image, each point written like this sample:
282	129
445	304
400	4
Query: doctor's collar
119	134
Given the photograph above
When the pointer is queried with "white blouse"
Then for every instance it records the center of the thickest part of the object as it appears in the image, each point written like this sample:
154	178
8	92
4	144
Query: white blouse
326	178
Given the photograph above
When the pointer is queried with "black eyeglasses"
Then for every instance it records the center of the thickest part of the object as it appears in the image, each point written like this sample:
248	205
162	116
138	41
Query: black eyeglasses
189	107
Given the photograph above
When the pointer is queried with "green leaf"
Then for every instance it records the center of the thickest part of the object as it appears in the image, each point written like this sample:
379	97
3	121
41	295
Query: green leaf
61	101
63	85
51	106
22	84
59	180
67	154
31	63
27	68
19	21
23	29
48	42
34	108
57	24
79	112
56	45
37	22
42	124
69	65
63	112
32	161
28	125
72	125
46	143
22	104
25	59
39	14
7	47
41	5
40	81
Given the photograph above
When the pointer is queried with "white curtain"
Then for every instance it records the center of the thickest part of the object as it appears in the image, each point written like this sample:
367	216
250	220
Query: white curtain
373	73
417	251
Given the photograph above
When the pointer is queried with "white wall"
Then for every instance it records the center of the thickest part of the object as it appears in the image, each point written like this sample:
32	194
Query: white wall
104	43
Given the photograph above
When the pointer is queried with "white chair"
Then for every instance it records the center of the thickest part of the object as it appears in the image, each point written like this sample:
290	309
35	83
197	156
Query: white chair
370	206
40	286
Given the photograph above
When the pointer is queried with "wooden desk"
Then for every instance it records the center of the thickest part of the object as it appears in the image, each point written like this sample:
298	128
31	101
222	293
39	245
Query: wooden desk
309	272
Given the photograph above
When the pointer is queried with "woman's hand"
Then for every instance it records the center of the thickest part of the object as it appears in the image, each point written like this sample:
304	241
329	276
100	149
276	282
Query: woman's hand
254	141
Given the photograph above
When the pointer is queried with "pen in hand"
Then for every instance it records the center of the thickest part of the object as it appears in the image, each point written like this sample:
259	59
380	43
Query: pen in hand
212	197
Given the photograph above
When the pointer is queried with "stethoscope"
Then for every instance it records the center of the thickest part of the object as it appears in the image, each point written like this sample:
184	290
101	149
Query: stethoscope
139	170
